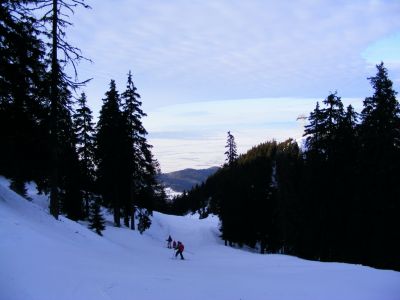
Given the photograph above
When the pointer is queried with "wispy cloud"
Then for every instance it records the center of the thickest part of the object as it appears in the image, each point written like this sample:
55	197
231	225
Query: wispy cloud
207	50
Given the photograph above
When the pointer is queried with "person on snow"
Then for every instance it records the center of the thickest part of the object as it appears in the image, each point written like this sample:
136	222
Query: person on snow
174	244
179	250
169	240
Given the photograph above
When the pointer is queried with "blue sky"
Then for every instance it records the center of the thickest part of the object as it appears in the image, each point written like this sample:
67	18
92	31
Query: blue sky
206	67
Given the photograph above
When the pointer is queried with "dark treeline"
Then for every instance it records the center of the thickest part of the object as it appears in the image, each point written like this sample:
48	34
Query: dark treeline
47	134
335	200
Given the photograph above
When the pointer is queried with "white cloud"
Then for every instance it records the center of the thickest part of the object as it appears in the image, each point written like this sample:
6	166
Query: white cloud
194	50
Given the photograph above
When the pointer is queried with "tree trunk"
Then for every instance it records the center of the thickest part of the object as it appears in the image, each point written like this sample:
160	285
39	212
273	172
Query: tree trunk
87	206
263	245
117	217
54	201
132	209
126	216
117	208
133	217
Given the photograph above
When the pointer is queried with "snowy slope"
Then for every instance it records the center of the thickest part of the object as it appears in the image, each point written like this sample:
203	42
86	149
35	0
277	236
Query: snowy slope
42	258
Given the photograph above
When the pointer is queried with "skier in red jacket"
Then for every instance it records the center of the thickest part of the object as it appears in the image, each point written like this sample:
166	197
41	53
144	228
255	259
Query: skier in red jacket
180	248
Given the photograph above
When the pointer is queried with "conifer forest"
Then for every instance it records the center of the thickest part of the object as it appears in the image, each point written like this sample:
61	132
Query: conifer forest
47	130
332	198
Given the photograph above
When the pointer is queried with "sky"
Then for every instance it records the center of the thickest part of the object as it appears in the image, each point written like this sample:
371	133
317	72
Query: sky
252	67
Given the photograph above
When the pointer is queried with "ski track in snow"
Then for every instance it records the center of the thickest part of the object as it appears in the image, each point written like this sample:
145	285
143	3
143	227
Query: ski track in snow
45	259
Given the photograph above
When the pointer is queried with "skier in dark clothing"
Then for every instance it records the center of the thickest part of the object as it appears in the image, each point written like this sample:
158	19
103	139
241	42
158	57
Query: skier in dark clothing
179	250
169	240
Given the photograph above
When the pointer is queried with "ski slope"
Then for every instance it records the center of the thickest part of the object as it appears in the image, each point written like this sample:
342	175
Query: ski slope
45	259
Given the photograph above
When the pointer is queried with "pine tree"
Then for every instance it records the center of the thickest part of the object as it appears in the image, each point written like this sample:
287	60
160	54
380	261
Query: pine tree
55	16
333	115
313	185
96	220
141	166
320	135
380	116
70	184
334	206
84	129
345	173
22	109
135	137
231	152
313	133
379	169
110	153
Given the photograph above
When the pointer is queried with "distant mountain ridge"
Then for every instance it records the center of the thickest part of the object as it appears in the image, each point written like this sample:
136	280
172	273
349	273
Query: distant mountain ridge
184	180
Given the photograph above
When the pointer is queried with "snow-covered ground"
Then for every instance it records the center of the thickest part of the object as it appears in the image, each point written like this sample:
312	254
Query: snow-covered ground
41	258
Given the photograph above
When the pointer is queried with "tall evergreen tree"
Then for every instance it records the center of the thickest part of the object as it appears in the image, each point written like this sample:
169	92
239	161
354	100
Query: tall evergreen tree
84	128
135	137
322	175
312	182
312	132
70	184
346	173
110	148
55	15
142	167
379	169
333	115
231	151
